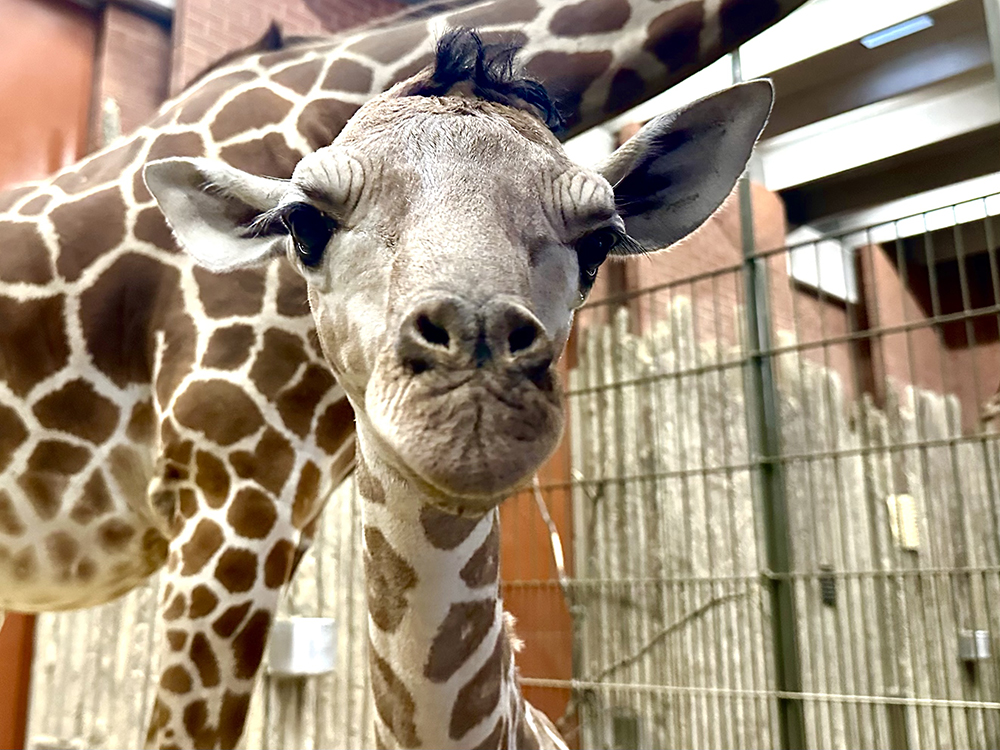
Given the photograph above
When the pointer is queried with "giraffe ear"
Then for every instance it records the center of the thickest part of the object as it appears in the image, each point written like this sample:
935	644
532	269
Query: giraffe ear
675	172
211	207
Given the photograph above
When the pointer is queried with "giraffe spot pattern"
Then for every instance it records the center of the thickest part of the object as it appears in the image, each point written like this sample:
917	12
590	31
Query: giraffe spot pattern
673	36
248	645
187	503
306	495
269	156
478	697
237	570
229	347
483	567
77	408
158	720
203	602
11	196
335	426
103	168
393	43
571	72
166	145
497	737
195	717
177	608
735	16
94	501
291	300
270	463
34	329
412	68
130	470
201	99
248	110
387	577
10	521
510	11
232	717
203	658
12	432
221	411
114	535
322	119
239	292
199	549
177	639
141	426
280	357
212	479
445	530
299	78
369	487
36	205
24	564
230	620
175	679
627	89
62	549
348	75
297	404
31	263
151	227
392	700
82	240
277	564
51	465
252	514
86	569
464	628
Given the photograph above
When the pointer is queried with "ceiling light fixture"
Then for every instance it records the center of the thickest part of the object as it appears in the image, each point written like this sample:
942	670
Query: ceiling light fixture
891	34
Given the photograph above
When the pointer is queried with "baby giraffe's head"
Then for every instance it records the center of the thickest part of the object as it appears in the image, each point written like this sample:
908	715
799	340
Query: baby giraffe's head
447	240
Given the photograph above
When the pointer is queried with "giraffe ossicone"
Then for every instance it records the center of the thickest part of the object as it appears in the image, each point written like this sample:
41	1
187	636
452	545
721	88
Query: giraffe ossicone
446	241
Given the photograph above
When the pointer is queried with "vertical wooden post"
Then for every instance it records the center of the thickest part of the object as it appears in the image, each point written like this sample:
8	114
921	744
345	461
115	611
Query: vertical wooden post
17	646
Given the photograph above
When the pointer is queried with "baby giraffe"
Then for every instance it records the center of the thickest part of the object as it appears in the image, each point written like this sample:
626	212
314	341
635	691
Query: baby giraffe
447	241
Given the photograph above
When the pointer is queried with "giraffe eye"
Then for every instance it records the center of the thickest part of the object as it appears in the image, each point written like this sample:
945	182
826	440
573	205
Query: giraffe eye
310	229
592	250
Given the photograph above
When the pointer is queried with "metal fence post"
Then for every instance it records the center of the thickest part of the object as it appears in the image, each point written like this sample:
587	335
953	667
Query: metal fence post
763	415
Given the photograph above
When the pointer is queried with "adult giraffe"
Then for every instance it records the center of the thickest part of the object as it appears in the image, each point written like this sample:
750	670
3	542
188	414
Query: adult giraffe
154	412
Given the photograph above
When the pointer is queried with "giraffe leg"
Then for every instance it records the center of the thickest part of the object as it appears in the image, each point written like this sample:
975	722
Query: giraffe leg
225	573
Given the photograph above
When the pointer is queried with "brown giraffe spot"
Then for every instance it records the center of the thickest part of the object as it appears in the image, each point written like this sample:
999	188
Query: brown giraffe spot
313	338
322	119
141	426
482	568
102	168
151	227
204	660
291	299
212	479
195	717
297	404
277	564
232	716
279	359
510	11
299	78
203	601
83	240
12	195
31	263
62	549
12	434
248	110
393	43
201	99
114	534
335	426
736	16
590	17
568	75
157	721
130	470
177	608
270	463
34	329
464	628
36	205
239	292
369	487
392	700
237	570
50	467
412	68
80	410
167	144
187	502
229	347
10	521
306	493
176	679
348	75
270	156
674	36
219	410
248	645
478	697
86	569
94	501
497	737
388	577
154	549
252	514
225	625
24	564
177	639
168	591
203	544
627	88
445	530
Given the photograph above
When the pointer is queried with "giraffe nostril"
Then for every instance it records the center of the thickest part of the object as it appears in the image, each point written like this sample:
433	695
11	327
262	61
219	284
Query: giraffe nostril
521	338
431	332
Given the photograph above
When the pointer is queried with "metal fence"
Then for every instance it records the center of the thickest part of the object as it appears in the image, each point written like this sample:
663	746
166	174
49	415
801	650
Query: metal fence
778	505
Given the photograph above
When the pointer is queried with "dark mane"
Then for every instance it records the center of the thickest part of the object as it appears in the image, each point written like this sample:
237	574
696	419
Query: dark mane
463	57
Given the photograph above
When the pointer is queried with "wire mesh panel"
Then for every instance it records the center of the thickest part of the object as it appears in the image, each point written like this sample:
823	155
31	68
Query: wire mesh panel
881	353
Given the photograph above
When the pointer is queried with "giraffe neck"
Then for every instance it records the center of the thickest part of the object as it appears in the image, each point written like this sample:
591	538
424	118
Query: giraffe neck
440	656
